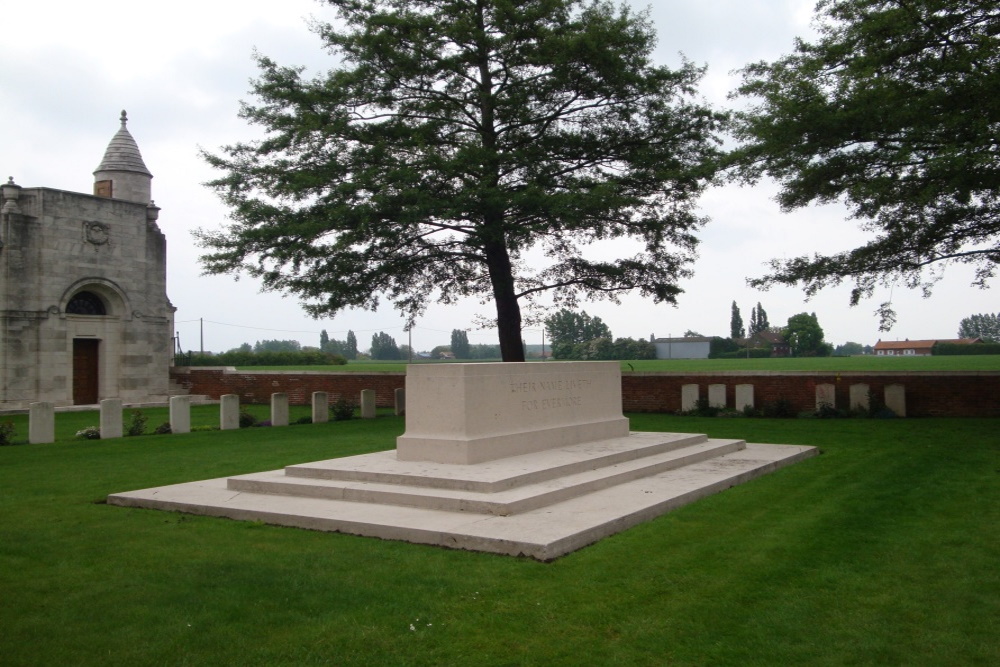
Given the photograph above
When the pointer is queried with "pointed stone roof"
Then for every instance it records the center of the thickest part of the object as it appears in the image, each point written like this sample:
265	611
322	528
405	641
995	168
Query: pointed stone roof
123	153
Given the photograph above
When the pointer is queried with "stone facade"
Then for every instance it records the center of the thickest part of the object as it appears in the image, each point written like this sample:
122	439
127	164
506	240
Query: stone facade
84	313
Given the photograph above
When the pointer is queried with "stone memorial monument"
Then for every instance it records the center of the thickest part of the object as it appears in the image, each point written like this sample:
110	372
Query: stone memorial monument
532	459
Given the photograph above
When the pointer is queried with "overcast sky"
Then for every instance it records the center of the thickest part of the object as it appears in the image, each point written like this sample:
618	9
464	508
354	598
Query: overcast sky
180	68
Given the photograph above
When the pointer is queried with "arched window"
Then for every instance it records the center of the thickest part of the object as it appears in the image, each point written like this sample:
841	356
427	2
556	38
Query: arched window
86	303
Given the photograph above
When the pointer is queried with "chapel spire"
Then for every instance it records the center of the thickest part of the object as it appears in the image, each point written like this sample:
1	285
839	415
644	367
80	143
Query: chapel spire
122	173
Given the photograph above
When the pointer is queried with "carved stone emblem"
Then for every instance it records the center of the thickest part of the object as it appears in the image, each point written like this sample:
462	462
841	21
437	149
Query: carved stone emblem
96	233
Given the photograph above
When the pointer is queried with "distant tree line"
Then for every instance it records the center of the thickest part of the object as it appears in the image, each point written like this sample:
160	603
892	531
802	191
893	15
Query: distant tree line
579	336
347	348
983	325
265	353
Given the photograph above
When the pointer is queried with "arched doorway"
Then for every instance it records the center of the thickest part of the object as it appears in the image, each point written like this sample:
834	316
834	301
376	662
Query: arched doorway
92	310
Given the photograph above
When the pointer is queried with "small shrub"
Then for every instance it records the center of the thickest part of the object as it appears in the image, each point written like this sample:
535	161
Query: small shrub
751	411
342	409
702	408
163	429
137	424
203	428
247	420
779	409
7	431
827	411
266	422
304	420
884	413
89	433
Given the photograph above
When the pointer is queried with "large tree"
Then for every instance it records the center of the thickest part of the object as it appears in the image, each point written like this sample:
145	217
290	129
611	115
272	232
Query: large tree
893	111
805	336
758	321
982	325
451	138
568	327
460	344
736	329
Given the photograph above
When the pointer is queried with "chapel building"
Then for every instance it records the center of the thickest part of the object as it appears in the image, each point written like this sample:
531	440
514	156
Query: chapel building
84	313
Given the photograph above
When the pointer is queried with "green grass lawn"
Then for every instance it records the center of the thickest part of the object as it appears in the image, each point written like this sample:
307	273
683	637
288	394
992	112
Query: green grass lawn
832	364
884	550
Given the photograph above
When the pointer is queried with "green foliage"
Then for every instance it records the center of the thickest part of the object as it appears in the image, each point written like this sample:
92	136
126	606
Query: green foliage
778	409
719	347
893	112
241	357
758	321
247	419
805	336
604	349
449	139
460	344
571	332
346	349
384	347
136	425
7	432
736	329
983	325
342	409
744	353
848	349
953	349
277	346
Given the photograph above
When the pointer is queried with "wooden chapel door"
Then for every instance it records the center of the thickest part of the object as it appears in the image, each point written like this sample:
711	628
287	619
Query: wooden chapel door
86	358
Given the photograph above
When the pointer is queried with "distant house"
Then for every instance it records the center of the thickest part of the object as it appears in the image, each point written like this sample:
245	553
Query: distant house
682	348
769	339
916	348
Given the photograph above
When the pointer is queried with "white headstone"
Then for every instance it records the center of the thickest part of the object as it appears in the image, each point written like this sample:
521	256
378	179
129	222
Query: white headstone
111	418
229	412
400	395
744	396
41	423
689	397
320	407
279	409
895	399
717	395
859	397
368	404
180	414
826	394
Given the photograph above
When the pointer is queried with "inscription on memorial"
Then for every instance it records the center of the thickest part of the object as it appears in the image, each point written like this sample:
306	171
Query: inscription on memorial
551	394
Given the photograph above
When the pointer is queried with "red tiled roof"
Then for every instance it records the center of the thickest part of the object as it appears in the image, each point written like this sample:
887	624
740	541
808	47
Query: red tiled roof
914	344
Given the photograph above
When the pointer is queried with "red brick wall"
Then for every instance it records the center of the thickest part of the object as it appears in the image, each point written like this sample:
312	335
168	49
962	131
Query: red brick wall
257	386
929	394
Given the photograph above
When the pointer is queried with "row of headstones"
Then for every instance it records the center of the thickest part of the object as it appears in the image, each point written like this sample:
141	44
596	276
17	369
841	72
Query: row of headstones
826	395
42	422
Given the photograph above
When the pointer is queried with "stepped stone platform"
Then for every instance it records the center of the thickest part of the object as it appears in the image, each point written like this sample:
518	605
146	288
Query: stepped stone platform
555	492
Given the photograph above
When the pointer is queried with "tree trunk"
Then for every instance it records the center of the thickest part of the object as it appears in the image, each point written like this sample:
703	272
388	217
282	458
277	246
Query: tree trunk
508	309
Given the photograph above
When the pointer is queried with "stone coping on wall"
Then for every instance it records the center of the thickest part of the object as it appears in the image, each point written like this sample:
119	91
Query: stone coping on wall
808	373
232	370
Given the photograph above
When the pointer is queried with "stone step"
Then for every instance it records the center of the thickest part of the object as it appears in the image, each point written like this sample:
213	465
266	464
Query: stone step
499	474
543	534
517	499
